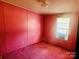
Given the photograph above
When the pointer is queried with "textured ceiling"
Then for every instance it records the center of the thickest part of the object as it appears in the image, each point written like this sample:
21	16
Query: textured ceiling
55	6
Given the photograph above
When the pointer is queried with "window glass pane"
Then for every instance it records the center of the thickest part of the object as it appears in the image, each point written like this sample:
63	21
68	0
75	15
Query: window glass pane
62	28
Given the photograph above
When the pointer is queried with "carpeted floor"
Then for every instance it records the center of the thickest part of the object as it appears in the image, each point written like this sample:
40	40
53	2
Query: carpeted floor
39	51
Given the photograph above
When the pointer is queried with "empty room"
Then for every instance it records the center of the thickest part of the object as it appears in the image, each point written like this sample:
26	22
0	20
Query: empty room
39	29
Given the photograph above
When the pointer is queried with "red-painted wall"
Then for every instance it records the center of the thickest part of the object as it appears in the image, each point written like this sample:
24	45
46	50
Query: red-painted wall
50	31
17	33
1	26
20	28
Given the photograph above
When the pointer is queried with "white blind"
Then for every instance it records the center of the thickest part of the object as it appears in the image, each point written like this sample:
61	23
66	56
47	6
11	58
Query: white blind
62	28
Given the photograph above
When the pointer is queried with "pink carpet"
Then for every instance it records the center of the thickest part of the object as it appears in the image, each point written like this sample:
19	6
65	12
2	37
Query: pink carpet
39	51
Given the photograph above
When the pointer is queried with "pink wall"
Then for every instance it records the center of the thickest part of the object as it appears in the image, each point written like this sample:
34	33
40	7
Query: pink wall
20	28
50	25
1	26
16	30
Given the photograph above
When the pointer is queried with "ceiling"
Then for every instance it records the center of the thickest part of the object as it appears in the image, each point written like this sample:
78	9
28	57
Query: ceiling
55	6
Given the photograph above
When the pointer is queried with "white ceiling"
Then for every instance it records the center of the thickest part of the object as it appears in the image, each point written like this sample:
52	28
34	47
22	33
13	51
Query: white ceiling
55	6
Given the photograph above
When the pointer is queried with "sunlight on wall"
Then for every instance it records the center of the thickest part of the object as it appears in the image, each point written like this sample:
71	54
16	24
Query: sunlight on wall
32	24
0	57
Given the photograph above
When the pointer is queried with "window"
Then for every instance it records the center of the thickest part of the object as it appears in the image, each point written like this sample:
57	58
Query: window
62	28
